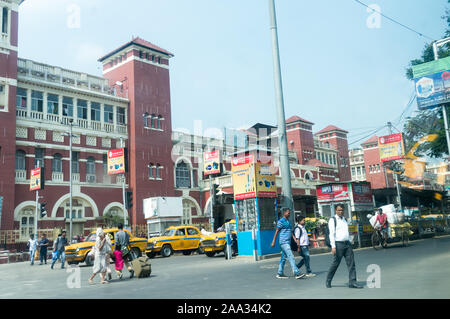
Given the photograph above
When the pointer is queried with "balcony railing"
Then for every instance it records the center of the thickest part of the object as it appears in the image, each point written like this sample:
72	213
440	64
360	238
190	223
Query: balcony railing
65	120
90	178
21	175
57	176
75	177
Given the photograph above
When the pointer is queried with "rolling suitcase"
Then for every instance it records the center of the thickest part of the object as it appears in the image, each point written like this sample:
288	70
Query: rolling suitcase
142	267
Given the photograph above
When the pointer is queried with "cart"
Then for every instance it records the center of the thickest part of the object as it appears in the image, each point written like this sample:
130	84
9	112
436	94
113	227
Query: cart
398	233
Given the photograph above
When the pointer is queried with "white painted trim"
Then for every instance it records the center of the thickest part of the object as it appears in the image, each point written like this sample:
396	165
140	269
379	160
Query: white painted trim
114	204
60	147
75	194
23	205
133	58
197	206
8	81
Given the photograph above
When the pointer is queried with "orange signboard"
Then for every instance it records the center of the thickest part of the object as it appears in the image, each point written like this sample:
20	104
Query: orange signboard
36	179
391	147
116	161
211	163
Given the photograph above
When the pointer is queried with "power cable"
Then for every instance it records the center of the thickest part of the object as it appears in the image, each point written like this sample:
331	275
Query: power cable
395	21
372	133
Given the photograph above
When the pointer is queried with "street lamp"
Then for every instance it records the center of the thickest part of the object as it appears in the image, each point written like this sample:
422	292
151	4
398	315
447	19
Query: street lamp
70	172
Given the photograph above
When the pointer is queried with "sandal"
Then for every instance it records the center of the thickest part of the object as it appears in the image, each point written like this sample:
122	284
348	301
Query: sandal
104	282
91	281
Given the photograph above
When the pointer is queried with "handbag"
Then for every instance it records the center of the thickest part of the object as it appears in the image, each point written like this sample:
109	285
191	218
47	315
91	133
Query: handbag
125	250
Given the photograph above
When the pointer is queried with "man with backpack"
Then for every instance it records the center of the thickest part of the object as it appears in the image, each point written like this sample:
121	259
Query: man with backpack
302	241
59	250
284	228
123	239
339	240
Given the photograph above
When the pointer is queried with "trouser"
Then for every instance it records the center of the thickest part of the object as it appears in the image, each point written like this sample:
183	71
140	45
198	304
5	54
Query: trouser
126	260
43	255
59	255
343	249
286	253
304	252
32	255
108	263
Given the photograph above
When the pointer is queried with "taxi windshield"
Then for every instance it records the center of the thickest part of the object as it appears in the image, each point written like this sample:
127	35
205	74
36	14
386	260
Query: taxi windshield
169	232
91	237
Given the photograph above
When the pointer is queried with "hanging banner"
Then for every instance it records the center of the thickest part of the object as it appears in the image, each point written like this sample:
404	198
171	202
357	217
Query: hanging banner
116	161
35	179
243	177
266	181
391	147
211	163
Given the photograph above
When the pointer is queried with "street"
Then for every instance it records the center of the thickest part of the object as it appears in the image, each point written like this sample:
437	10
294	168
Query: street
418	271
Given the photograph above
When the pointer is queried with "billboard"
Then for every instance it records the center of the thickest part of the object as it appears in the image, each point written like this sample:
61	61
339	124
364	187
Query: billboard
391	147
116	161
211	163
253	178
432	83
36	180
332	193
362	193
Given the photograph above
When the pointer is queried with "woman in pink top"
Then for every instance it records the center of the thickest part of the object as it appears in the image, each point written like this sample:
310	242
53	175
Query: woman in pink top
118	261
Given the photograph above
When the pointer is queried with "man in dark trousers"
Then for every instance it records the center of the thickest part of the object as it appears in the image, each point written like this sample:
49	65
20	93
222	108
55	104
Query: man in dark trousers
60	246
123	239
341	247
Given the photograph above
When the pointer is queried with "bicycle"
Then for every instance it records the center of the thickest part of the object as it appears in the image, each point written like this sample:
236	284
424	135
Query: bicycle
379	240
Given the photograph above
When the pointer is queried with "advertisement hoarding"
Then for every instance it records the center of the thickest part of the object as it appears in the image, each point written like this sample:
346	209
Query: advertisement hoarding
35	179
332	193
362	193
391	147
432	83
211	163
116	161
266	183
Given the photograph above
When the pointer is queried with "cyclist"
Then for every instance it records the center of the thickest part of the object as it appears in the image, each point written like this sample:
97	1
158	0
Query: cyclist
383	223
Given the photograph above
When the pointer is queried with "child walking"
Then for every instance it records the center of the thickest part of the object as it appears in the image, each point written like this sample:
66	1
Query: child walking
118	260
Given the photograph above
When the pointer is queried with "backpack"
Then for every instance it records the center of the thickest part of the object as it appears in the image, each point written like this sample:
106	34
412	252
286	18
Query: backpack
327	233
294	246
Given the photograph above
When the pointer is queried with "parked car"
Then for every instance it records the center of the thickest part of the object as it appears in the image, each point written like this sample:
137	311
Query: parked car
78	253
185	239
217	242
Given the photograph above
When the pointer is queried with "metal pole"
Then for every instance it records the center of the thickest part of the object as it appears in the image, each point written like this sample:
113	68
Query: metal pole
286	189
36	215
211	195
125	211
396	176
70	178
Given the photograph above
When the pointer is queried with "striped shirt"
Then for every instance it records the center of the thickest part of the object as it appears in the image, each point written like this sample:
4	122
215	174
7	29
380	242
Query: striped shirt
285	229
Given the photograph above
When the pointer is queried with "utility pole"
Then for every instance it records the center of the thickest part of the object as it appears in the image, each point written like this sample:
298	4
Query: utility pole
286	190
125	210
389	124
437	44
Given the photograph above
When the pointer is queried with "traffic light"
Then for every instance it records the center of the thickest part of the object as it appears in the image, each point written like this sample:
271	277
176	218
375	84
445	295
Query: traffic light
42	209
215	192
129	200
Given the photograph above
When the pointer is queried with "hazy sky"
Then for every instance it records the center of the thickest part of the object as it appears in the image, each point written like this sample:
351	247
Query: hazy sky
336	70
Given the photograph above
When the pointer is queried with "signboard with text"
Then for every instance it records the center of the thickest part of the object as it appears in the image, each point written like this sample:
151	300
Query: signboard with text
391	147
116	161
362	193
211	163
36	179
332	192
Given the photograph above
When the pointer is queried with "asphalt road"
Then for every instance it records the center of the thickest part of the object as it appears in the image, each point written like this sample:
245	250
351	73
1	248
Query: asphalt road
421	270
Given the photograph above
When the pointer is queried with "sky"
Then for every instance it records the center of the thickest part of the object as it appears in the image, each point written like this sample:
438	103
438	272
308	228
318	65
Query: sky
340	66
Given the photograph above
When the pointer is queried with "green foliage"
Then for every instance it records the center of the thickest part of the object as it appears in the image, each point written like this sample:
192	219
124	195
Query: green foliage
111	220
310	225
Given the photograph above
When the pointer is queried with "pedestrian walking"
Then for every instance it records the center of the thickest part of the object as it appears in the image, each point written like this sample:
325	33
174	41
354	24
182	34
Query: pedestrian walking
59	248
109	253
118	261
101	248
43	245
284	228
32	246
301	236
341	247
123	239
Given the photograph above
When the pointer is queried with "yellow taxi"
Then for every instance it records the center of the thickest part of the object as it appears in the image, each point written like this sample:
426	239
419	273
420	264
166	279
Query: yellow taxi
77	253
176	238
217	242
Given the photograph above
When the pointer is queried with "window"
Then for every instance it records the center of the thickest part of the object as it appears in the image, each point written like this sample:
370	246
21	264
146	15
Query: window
20	160
109	115
158	167
26	223
152	125
192	231
180	232
5	20
67	106
75	163
95	111
159	127
353	171
57	163
90	166
121	116
39	157
21	98
182	175
82	109
378	167
358	170
150	171
37	101
52	104
105	164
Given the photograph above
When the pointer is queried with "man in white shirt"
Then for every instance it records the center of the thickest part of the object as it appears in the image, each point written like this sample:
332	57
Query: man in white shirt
301	236
341	247
32	246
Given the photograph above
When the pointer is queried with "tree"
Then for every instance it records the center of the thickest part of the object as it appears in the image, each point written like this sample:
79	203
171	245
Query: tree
112	220
428	121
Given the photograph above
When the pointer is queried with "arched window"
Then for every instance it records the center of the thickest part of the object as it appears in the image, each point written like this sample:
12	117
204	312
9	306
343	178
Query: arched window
150	171
158	169
57	163
152	122
183	175
20	160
